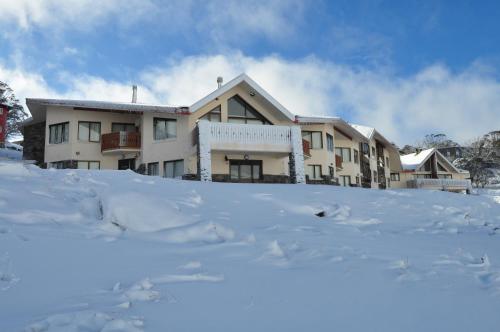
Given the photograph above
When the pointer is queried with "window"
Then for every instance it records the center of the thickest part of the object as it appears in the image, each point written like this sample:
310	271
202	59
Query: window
59	133
173	169
357	180
154	169
395	177
374	176
329	142
345	153
213	115
88	165
164	128
345	180
315	139
56	164
445	176
245	170
365	149
127	127
356	156
240	111
89	131
314	172
388	183
373	151
387	161
422	176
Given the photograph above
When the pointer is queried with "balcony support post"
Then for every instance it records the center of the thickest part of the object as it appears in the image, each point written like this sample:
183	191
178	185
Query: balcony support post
297	174
204	151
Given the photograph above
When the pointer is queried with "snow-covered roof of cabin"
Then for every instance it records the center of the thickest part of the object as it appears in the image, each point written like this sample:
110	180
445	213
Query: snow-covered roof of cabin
413	160
243	78
364	130
108	105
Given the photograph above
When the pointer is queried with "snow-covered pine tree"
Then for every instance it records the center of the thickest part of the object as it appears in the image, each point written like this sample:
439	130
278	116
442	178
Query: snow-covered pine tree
16	114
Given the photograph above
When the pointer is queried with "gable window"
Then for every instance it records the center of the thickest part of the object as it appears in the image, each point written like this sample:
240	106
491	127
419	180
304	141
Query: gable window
173	169
164	128
239	111
329	142
345	153
127	127
395	177
314	172
356	156
213	115
59	133
154	169
88	164
315	139
89	131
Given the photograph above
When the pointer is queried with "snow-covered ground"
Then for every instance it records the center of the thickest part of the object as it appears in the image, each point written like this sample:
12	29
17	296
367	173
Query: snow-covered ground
117	251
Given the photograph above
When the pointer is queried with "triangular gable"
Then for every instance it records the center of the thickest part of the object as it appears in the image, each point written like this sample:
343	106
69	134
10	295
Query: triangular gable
442	158
235	82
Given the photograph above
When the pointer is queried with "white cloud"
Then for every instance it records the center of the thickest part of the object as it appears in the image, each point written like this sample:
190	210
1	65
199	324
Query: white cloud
463	105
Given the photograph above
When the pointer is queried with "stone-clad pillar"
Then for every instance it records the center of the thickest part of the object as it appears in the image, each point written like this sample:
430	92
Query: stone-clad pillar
204	153
297	174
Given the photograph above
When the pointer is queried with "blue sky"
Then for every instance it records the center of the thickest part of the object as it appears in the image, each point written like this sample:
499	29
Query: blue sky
406	67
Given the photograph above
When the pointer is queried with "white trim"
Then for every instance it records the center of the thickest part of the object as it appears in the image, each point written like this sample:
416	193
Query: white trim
233	83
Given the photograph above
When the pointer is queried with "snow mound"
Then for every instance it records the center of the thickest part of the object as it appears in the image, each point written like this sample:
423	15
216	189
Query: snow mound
144	214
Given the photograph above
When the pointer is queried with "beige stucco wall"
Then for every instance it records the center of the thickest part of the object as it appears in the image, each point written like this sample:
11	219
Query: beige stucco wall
322	156
180	147
351	168
82	150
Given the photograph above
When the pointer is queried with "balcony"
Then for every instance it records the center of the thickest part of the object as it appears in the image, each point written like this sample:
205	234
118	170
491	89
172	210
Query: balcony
120	142
249	138
440	184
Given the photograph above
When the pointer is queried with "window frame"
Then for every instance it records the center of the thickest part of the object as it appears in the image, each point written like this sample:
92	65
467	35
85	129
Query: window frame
89	123
355	156
342	181
175	164
157	164
166	120
315	167
214	111
64	134
395	177
311	140
247	109
88	164
329	143
342	149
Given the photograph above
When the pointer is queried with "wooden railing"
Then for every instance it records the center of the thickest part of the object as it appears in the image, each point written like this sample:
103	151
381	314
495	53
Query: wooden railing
121	140
307	148
338	161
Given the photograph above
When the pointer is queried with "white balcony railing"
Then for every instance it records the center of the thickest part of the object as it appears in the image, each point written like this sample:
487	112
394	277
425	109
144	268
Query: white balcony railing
441	184
248	137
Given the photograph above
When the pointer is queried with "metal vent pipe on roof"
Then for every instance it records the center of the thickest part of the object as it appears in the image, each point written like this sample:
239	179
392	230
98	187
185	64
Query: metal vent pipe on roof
219	81
134	94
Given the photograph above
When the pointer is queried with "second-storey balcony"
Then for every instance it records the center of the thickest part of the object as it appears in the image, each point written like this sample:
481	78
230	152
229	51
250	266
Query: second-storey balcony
120	142
249	138
441	184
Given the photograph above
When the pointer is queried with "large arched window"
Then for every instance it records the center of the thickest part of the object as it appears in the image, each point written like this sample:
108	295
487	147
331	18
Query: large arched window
240	111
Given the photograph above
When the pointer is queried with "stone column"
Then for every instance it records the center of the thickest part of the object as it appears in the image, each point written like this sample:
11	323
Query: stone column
297	174
204	153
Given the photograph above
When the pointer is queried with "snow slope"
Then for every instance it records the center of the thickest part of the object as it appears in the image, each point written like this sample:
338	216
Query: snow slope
117	251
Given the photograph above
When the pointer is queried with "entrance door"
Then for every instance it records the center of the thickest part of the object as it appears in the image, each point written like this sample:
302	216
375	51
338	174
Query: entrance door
245	170
126	164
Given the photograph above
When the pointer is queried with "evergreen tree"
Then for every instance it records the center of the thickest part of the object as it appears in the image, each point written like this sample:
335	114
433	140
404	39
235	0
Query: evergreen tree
16	114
